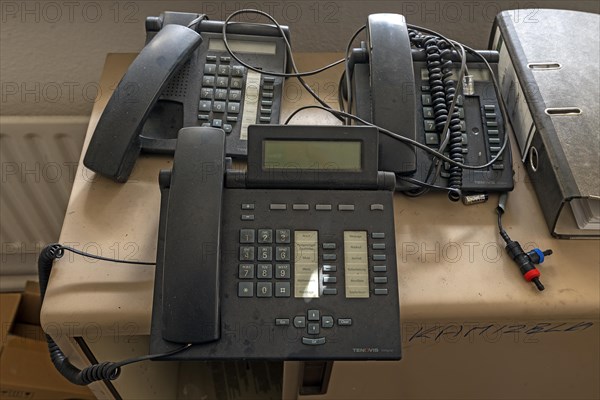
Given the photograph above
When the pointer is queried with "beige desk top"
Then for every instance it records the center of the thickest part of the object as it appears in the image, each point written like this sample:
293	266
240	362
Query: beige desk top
451	263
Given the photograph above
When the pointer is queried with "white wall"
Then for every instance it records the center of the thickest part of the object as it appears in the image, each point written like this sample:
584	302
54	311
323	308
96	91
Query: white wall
52	52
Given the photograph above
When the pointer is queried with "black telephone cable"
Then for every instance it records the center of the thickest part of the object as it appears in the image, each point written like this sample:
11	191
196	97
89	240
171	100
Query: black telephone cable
104	371
394	135
296	74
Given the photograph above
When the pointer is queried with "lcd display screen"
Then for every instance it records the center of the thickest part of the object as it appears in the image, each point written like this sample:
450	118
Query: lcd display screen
343	156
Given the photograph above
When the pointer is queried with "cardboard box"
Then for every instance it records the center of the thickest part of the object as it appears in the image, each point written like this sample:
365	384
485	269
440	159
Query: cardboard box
26	371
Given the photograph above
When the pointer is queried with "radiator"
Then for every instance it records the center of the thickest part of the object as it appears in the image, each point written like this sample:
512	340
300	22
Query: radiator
39	157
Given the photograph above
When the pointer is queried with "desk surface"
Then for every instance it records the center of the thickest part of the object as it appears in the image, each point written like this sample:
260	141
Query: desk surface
451	263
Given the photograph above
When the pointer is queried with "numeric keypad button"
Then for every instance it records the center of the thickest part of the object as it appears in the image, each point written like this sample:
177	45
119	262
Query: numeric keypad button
245	289
246	253
264	271
264	289
282	271
265	253
282	253
247	236
265	236
246	271
282	236
208	80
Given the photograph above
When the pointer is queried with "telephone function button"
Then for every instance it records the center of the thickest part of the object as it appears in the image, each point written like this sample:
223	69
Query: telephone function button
378	246
278	206
245	289
265	120
313	341
329	279
211	58
329	246
489	107
329	268
380	268
345	207
379	257
432	139
217	123
282	321
329	291
282	289
300	207
227	128
323	207
380	279
327	321
344	321
329	257
378	235
314	315
269	79
247	217
300	321
377	207
313	328
204	105
493	132
225	59
266	103
381	292
203	117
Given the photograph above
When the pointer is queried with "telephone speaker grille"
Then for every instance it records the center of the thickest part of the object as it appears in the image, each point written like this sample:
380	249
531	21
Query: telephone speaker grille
177	86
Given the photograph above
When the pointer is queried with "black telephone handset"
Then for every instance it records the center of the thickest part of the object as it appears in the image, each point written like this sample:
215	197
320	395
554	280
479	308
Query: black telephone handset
392	90
185	77
404	81
116	143
192	251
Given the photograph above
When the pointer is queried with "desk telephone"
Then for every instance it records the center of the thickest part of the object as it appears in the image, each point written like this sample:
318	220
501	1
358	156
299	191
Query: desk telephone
404	81
294	259
185	77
